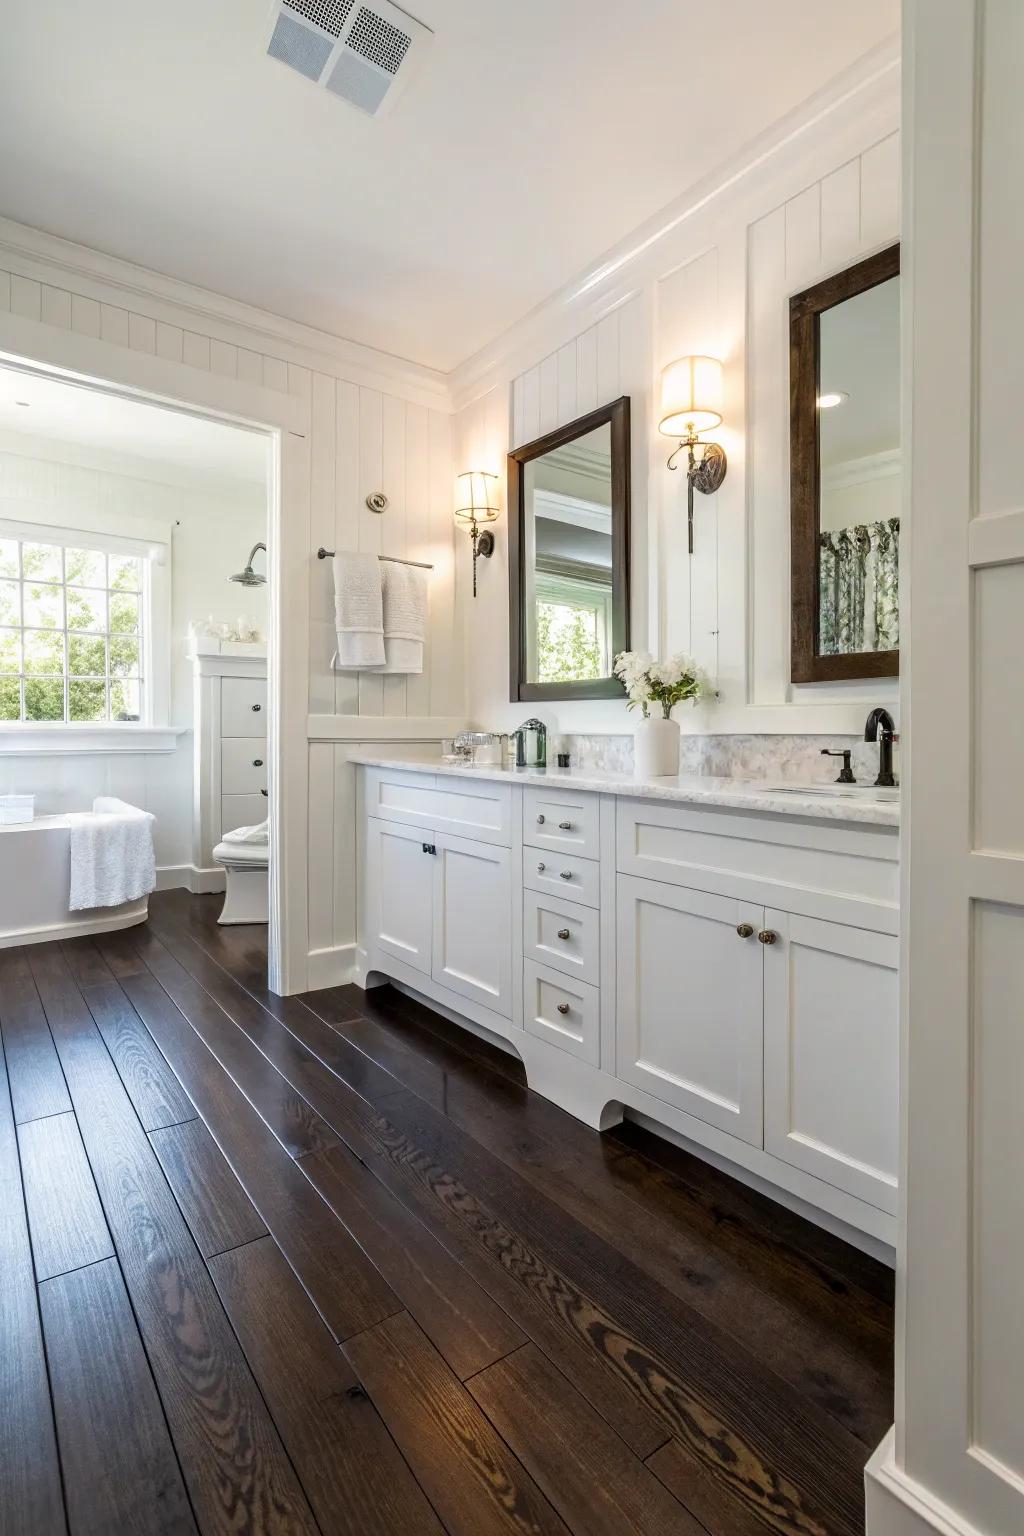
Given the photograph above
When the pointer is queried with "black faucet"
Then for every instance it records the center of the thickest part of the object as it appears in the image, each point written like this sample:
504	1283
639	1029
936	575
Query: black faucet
880	728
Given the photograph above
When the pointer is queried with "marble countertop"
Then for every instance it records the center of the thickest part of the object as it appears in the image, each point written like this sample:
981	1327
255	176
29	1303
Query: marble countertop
693	789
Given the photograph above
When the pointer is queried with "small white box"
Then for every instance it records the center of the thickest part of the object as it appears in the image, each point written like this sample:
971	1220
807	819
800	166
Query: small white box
17	808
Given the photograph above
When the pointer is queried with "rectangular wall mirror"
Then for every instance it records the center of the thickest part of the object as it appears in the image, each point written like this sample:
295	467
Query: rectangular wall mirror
845	473
568	501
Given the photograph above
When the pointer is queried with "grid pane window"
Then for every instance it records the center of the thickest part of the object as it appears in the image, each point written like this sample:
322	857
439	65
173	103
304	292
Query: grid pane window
71	641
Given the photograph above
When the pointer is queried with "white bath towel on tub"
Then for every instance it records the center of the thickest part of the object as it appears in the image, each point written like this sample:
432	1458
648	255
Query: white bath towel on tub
112	857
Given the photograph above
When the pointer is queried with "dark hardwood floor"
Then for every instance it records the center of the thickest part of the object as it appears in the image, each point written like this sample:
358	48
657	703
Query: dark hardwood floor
288	1265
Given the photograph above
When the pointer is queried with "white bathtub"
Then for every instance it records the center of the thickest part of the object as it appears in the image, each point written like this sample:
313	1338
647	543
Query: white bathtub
35	879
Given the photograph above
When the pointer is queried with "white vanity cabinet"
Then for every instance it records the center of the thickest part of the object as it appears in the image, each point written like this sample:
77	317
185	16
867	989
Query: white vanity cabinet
727	973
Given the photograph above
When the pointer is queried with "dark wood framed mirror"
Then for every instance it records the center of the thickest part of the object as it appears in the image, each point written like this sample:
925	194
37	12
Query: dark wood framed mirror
568	502
845	473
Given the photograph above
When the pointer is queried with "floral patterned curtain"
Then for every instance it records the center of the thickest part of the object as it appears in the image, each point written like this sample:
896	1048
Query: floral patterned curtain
860	588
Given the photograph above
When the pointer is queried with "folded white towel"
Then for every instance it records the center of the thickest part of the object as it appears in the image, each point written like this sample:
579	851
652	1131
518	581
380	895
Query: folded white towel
260	834
405	616
358	612
112	856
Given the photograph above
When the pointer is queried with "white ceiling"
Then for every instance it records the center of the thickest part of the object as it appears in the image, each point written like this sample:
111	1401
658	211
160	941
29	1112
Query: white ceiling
160	440
537	134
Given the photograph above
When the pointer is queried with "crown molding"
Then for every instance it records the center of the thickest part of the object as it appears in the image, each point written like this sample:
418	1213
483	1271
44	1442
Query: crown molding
109	279
858	108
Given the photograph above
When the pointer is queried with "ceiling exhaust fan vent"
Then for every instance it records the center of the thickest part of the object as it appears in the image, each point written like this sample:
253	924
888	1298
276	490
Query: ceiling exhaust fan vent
364	53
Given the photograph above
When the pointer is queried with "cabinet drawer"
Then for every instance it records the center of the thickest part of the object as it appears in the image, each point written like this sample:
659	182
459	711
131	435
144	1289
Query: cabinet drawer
559	820
564	874
243	706
562	934
242	811
243	765
442	803
564	1012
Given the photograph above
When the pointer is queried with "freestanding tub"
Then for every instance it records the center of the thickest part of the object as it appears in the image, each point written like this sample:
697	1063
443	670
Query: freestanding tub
35	879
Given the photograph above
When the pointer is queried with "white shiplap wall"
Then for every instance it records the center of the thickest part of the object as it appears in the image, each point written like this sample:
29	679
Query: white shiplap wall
372	423
718	282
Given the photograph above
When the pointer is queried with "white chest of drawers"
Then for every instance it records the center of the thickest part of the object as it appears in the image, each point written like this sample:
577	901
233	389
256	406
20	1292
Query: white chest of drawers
230	768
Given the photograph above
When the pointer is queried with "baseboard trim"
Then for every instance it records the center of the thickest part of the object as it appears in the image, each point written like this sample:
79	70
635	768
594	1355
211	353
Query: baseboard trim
333	967
188	877
896	1505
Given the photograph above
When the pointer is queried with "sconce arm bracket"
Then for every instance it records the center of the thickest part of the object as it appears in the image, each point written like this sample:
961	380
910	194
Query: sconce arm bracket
709	473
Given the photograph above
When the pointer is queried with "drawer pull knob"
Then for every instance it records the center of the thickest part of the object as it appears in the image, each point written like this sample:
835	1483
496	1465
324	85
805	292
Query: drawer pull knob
745	930
563	1007
540	821
565	874
257	762
563	933
256	708
263	792
541	868
767	937
565	826
429	848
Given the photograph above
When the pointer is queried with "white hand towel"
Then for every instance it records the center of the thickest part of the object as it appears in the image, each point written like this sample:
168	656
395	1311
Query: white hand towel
358	612
260	834
112	857
405	616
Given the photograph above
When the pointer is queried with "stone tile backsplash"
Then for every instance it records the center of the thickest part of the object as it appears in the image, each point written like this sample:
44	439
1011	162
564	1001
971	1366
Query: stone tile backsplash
738	757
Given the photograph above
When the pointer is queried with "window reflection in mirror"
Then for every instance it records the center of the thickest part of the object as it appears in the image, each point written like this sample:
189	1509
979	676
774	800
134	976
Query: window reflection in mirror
860	474
568	500
568	561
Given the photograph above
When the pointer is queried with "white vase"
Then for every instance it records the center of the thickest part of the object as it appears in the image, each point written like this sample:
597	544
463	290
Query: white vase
656	749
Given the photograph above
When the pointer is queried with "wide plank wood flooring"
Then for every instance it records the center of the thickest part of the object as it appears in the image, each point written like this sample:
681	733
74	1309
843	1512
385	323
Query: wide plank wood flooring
324	1264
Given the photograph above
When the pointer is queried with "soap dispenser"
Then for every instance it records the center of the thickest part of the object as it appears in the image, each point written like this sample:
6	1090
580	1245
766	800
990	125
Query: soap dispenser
531	741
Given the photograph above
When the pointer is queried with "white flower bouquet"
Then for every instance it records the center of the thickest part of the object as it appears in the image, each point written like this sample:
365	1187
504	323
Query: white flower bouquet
667	683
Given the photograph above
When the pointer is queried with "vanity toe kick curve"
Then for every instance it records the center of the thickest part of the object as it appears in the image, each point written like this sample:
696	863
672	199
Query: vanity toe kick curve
727	974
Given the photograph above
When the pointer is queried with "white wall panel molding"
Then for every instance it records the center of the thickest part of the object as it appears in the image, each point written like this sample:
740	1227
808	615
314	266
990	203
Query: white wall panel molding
69	286
362	728
860	107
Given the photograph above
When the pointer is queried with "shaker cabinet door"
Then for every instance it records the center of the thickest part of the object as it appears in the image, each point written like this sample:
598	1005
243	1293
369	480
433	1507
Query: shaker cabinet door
690	976
473	920
831	1051
400	891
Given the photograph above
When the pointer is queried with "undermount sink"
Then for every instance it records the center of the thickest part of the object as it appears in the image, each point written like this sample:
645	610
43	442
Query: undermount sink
834	791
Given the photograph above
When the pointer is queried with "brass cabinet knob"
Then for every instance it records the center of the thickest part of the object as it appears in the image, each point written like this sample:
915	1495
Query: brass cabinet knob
565	826
540	821
563	1007
565	874
745	930
563	933
767	937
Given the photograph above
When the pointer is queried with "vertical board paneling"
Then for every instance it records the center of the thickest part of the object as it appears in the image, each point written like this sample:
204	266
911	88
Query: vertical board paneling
196	351
55	307
224	361
608	358
586	371
840	217
321	507
250	366
803	238
85	316
170	342
880	193
141	333
768	453
275	374
518	413
300	382
567	383
549	393
418	544
371	471
321	845
5	292
346	519
393	529
26	297
445	651
345	865
531	405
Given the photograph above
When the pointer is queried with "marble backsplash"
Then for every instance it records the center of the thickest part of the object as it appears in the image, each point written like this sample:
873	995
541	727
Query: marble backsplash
739	757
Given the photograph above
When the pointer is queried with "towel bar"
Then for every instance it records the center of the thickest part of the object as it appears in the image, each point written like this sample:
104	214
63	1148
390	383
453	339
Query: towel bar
423	565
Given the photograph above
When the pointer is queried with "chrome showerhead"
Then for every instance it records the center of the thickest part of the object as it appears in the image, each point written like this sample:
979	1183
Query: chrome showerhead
249	577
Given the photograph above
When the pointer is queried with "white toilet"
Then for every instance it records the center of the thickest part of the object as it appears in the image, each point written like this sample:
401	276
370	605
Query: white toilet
244	856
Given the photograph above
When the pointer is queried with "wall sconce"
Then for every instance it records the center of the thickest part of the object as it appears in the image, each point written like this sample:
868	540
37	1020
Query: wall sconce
476	503
691	394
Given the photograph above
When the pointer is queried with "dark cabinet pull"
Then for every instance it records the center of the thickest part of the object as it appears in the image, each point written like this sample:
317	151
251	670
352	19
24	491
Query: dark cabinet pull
429	848
256	708
744	930
257	762
563	1007
263	792
563	933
